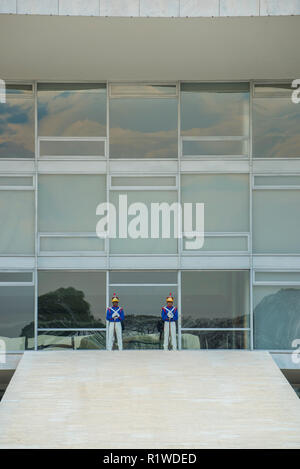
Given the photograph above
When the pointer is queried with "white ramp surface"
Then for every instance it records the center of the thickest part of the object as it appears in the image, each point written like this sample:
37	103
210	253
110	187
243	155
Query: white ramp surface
149	399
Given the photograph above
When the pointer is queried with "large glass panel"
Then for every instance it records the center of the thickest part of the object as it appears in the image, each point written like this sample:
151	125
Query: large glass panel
17	222
143	128
145	244
17	317
276	224
215	109
142	306
72	109
225	198
276	317
70	299
276	124
75	340
215	299
17	123
193	340
76	148
67	203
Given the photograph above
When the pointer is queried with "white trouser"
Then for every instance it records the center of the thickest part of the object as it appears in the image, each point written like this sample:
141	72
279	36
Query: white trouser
114	328
170	326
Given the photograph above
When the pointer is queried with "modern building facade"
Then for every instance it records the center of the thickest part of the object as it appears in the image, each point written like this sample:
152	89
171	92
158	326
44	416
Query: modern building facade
210	122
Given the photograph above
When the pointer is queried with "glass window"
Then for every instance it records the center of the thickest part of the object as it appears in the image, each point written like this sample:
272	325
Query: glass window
276	317
225	198
71	244
76	148
16	277
72	109
143	276
215	299
17	123
137	226
17	317
276	228
214	148
143	127
214	109
75	340
70	299
137	89
283	181
17	222
223	243
67	203
142	306
276	124
16	181
273	89
277	276
136	181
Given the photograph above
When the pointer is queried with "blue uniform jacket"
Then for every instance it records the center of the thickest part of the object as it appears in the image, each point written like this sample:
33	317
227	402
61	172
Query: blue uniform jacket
110	311
165	310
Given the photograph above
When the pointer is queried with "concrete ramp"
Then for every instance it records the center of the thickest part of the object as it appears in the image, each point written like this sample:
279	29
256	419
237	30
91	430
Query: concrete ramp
149	399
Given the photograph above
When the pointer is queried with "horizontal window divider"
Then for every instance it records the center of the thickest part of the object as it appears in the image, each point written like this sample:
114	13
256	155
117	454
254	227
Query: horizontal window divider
78	329
17	284
143	285
206	138
143	188
129	254
144	160
17	188
223	234
72	253
195	253
279	283
72	139
215	157
72	158
277	188
68	235
276	158
216	329
275	254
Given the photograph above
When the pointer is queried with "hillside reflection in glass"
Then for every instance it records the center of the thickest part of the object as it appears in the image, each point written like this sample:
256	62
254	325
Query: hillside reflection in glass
71	300
276	317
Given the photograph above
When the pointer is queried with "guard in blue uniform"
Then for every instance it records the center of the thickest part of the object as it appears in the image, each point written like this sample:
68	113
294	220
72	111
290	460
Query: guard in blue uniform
114	316
169	315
